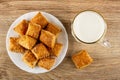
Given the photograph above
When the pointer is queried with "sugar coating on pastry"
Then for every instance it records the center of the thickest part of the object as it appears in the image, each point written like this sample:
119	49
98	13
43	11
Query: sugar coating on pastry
14	46
56	50
29	59
40	51
81	59
40	19
48	38
21	28
27	41
53	29
46	63
33	30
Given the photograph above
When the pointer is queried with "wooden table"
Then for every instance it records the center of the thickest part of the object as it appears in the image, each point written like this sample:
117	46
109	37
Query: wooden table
106	65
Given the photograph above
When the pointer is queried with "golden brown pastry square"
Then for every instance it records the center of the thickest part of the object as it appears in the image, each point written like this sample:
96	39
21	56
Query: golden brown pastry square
53	29
39	19
46	63
48	38
56	50
33	30
81	59
27	41
29	59
40	51
21	28
14	46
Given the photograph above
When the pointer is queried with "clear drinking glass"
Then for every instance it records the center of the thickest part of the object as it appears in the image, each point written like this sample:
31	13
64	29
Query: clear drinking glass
102	40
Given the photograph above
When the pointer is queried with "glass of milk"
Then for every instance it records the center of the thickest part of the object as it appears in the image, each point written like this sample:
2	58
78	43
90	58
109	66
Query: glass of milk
89	27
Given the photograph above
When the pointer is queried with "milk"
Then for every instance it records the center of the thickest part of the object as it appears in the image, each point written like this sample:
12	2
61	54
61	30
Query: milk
89	26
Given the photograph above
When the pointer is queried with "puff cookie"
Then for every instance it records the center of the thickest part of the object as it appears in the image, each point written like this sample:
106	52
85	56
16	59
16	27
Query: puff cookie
81	59
56	50
14	46
40	51
39	19
29	59
21	28
46	63
33	30
27	41
53	29
48	38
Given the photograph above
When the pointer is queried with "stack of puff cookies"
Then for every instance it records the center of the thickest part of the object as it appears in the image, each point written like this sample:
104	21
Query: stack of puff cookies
37	42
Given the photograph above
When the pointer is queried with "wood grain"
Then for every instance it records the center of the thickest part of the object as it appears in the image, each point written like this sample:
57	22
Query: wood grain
106	65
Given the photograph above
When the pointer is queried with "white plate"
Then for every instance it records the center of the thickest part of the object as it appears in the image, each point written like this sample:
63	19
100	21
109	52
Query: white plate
16	58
